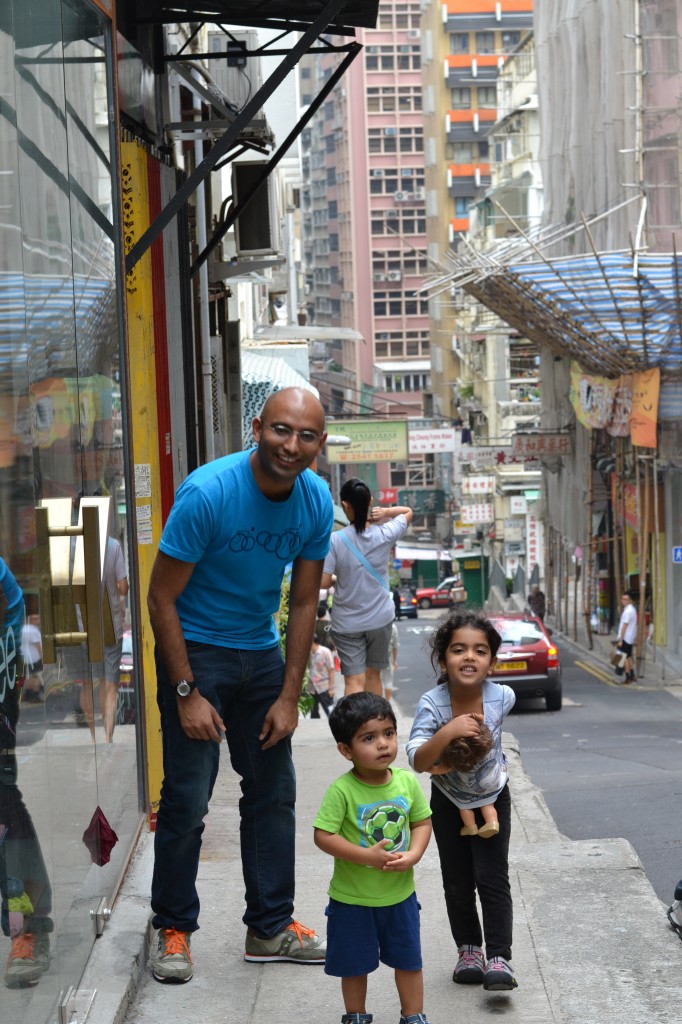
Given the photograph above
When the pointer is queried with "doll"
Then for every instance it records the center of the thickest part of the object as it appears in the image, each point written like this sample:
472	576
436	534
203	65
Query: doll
462	755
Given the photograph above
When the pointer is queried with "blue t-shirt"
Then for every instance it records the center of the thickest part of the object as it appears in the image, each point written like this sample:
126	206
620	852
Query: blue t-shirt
241	543
11	622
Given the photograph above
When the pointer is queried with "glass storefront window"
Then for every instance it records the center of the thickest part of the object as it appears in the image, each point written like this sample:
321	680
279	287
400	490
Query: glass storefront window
68	733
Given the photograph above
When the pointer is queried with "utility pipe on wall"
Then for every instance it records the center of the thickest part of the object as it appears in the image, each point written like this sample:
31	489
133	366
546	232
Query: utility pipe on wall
204	323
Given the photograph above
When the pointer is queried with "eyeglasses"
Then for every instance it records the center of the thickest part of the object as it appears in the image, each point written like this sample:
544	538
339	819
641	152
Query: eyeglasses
281	431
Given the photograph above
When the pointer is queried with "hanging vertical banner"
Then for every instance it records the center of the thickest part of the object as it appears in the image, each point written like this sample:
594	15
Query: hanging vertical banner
644	408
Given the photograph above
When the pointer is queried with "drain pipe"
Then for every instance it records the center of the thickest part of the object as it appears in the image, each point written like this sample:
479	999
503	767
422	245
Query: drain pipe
204	322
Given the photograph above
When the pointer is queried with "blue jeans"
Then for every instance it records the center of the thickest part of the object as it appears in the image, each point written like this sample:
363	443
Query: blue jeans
242	685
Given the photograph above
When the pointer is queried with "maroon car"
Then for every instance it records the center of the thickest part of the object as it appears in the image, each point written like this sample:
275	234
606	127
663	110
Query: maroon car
527	660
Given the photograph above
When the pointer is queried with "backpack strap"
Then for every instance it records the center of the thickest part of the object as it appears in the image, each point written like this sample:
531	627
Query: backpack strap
361	558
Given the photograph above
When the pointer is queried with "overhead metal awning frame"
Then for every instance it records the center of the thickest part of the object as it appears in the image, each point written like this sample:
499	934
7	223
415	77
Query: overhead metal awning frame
311	33
614	312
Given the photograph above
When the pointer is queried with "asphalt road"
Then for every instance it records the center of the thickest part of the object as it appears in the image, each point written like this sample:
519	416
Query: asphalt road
609	763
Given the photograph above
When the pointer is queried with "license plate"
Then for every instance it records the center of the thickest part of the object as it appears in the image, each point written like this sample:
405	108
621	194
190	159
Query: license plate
511	666
124	677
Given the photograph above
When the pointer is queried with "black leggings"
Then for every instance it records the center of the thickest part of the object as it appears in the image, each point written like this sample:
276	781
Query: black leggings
468	863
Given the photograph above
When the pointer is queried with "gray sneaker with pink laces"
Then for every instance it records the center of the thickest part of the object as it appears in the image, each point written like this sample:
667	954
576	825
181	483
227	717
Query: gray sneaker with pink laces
470	966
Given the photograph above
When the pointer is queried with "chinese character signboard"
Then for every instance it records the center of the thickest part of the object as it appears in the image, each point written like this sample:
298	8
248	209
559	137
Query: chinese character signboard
434	440
422	500
388	496
371	441
518	505
537	445
532	542
478	485
477	513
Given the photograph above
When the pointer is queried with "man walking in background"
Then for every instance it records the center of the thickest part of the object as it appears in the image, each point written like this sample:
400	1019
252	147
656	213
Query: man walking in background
627	635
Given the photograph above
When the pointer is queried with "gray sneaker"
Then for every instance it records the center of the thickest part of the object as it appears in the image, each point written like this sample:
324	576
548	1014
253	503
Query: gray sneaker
499	975
296	944
172	961
28	959
470	966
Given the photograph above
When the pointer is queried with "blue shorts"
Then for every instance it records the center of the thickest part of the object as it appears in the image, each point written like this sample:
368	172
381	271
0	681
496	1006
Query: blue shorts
359	937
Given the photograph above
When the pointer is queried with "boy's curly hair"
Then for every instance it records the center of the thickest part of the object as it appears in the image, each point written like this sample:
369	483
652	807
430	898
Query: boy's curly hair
465	752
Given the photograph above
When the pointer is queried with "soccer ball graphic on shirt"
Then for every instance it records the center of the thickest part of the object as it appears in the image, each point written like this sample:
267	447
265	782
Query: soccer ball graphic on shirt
386	821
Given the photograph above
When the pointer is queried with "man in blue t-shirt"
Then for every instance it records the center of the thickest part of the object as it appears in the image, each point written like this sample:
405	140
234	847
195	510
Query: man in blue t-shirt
215	586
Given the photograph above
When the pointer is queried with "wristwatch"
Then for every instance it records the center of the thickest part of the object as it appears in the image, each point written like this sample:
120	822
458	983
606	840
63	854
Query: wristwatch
184	687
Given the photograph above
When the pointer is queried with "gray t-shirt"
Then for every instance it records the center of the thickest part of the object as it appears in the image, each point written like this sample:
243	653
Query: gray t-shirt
484	784
360	601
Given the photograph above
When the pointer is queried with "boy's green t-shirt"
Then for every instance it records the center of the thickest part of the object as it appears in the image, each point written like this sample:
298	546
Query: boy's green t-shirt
365	815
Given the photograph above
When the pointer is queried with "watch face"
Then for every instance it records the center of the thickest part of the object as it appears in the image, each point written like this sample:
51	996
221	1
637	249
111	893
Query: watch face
183	689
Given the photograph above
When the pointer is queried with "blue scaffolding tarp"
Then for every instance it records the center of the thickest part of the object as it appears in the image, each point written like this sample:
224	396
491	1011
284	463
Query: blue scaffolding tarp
616	312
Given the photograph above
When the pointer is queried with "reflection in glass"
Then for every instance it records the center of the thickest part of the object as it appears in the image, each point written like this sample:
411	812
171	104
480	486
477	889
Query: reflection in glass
24	886
61	436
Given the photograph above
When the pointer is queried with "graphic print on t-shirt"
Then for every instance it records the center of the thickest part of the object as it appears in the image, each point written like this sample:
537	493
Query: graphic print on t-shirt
385	820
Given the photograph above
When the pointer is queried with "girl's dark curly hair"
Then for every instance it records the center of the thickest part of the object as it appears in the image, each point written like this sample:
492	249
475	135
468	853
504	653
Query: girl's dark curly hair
440	638
465	752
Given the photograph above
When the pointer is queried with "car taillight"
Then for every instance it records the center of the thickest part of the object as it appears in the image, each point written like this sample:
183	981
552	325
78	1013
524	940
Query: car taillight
552	657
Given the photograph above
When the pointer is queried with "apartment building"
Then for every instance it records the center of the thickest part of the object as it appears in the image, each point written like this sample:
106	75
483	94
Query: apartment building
364	233
464	45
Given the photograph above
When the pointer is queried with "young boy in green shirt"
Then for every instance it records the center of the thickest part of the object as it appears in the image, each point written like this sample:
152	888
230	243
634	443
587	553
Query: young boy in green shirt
375	817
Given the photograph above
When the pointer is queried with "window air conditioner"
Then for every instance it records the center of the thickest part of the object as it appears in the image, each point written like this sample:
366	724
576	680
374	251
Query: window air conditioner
256	229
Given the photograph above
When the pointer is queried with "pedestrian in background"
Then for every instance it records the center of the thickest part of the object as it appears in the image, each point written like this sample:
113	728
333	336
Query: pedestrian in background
116	583
363	609
376	824
537	603
627	635
396	601
388	673
32	653
215	587
321	678
323	626
464	647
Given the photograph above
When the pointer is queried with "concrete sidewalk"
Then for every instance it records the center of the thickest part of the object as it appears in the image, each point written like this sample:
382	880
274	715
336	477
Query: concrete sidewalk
591	940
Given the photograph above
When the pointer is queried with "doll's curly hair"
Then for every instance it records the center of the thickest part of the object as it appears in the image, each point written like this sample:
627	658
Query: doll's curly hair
465	752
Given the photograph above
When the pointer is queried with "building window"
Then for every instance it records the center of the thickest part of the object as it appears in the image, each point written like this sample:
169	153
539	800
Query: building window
510	40
411	140
485	42
461	98
486	96
459	42
462	204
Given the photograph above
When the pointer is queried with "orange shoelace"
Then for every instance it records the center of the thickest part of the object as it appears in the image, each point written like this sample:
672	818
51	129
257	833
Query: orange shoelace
175	942
301	931
23	947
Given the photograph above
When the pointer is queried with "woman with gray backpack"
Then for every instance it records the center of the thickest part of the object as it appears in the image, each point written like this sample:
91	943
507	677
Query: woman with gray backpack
363	610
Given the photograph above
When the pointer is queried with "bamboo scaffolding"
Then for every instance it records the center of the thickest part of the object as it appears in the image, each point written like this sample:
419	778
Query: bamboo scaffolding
644	520
589	548
617	512
656	608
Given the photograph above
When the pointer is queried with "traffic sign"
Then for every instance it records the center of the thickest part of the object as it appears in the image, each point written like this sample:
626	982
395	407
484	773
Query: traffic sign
677	555
398	563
